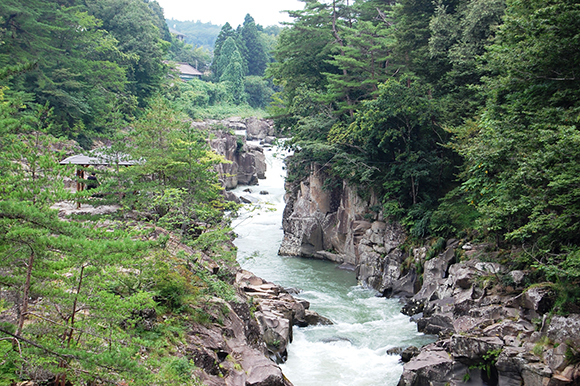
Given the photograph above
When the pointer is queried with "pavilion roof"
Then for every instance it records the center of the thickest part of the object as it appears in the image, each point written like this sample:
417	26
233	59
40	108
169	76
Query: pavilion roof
96	157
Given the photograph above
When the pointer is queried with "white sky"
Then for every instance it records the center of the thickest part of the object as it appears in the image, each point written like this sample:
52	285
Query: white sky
265	12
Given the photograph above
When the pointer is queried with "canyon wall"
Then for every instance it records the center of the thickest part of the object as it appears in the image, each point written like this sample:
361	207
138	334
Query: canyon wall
338	225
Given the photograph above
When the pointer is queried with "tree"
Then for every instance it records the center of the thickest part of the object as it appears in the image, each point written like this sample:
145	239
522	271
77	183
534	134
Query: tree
176	180
233	75
398	133
134	26
54	269
362	53
219	63
522	152
75	73
254	50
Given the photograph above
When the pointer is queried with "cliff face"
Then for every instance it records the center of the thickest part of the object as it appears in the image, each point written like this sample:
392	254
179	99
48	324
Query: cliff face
243	340
340	226
247	162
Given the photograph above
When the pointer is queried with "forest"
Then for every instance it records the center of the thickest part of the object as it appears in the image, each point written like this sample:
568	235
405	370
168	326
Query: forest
78	294
462	115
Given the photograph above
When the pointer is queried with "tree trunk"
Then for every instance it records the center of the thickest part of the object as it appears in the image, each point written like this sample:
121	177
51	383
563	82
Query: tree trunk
26	294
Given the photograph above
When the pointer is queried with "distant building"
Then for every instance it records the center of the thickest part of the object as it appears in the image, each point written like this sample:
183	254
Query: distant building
177	34
185	71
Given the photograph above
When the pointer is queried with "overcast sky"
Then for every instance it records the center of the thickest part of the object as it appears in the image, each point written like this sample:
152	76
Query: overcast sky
265	12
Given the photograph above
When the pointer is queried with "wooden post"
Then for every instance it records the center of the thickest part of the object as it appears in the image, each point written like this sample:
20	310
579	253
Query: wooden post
80	185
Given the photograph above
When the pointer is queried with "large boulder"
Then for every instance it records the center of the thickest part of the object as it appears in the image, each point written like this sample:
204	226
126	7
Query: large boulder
258	129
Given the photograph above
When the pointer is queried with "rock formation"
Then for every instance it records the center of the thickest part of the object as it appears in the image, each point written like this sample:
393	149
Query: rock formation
247	163
340	226
488	335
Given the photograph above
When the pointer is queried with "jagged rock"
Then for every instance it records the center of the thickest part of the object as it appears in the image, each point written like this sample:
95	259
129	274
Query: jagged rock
565	329
441	323
412	307
395	351
431	367
536	374
317	220
470	349
230	196
247	162
403	287
209	346
434	271
409	353
313	319
249	199
538	299
257	129
325	255
277	311
518	277
264	192
555	357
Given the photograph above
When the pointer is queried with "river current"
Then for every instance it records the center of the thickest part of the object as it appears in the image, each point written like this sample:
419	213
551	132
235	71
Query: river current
352	351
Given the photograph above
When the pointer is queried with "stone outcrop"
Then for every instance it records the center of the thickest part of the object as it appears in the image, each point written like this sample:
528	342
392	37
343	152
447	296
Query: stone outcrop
486	336
243	345
276	311
241	341
259	129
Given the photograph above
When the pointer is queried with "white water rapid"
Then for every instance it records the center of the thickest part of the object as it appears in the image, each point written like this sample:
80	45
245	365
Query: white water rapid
352	352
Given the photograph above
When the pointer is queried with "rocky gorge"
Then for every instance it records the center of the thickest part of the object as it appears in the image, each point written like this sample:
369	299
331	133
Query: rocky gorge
492	327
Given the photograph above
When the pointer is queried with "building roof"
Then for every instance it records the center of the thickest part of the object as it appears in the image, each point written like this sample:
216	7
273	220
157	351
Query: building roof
186	69
96	157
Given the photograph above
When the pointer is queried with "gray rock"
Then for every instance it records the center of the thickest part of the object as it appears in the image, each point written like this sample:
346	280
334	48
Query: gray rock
471	349
249	200
230	196
395	351
538	299
441	323
313	319
432	366
409	353
565	329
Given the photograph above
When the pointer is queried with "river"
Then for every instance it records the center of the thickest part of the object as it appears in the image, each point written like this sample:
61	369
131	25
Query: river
352	351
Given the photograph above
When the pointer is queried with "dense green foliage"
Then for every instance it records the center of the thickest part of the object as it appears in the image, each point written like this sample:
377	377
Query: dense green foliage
462	115
92	298
240	56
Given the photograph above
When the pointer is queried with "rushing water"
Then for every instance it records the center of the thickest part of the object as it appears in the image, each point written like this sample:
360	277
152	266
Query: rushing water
352	351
